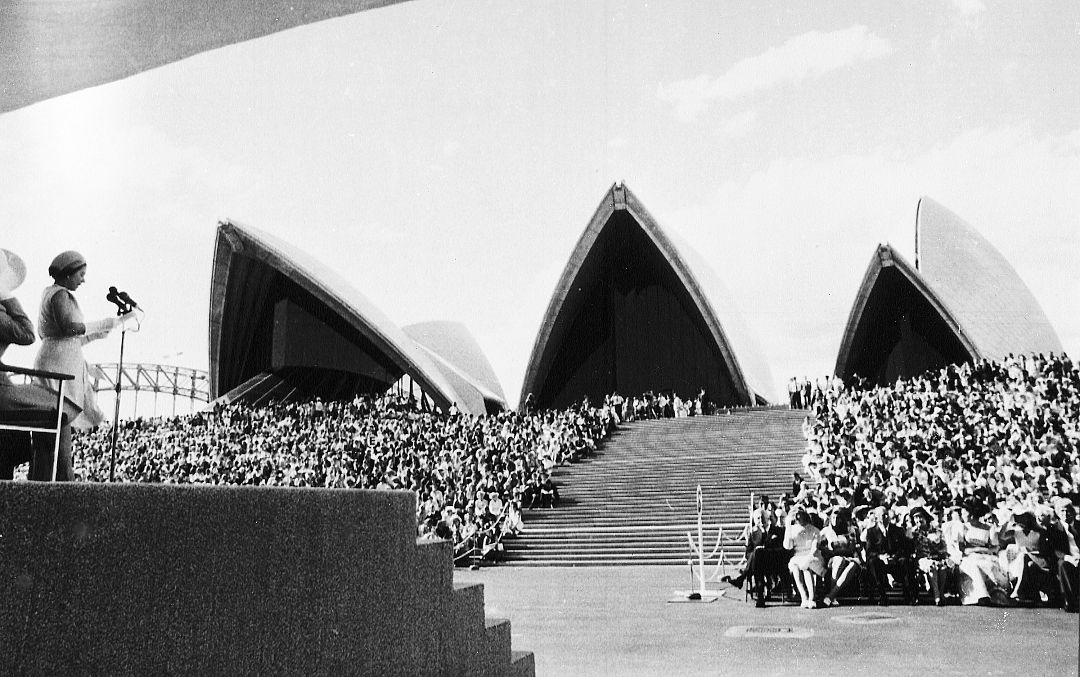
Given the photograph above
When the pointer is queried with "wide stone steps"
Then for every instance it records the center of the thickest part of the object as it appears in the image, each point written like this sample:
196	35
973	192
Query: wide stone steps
634	501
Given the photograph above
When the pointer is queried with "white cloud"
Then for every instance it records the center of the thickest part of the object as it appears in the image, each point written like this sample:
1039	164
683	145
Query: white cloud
963	19
738	125
969	7
451	148
816	223
803	56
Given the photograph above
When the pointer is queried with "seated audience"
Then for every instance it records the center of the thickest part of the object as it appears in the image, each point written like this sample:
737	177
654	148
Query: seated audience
765	556
981	578
931	554
1028	563
806	563
1000	438
839	545
1064	539
470	473
887	551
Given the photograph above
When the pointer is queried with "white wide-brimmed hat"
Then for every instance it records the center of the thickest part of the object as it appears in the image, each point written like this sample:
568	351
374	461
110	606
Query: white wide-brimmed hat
12	272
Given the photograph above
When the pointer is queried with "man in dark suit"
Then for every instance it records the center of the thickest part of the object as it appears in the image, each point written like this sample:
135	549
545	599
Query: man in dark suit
765	552
888	551
1064	538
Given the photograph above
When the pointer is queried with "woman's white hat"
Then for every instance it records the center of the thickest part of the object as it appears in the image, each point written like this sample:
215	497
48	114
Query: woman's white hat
12	272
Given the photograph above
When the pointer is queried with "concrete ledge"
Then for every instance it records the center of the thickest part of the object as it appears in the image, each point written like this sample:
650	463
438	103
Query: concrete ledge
153	579
522	664
497	652
467	628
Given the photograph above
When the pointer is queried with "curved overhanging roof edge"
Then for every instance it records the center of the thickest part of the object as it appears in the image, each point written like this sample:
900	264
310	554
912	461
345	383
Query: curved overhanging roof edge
484	392
46	52
330	288
453	343
562	288
620	198
887	257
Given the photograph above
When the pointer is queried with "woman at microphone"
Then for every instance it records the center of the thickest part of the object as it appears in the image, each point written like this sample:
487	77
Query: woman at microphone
64	332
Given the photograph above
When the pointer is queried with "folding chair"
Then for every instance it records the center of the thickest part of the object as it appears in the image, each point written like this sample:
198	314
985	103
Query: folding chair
26	420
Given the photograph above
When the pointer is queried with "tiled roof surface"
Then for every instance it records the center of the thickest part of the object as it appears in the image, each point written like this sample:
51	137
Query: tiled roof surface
981	289
454	343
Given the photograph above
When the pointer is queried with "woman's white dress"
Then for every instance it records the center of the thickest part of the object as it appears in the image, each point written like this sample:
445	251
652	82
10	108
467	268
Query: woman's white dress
62	352
981	575
804	540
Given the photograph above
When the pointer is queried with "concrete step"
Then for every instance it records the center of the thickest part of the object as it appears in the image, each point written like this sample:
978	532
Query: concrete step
610	561
634	501
522	664
497	653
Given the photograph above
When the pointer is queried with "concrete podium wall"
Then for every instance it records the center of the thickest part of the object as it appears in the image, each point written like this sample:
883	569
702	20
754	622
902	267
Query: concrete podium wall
159	579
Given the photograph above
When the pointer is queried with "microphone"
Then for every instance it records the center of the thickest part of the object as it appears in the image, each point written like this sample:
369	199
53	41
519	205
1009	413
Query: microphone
124	303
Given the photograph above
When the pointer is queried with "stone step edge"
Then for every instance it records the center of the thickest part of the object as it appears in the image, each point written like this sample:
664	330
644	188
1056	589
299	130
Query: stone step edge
633	528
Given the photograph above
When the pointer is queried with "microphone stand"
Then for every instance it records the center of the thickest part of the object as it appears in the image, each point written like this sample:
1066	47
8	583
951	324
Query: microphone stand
116	404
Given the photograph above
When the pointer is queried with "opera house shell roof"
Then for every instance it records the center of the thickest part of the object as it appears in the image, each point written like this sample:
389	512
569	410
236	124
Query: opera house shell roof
637	311
281	320
459	357
962	301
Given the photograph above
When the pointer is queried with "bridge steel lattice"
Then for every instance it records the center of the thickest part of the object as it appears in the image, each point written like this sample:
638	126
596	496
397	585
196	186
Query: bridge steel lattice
179	383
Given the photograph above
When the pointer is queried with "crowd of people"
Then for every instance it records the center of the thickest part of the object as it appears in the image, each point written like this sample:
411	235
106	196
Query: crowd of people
472	474
651	405
647	406
962	483
806	392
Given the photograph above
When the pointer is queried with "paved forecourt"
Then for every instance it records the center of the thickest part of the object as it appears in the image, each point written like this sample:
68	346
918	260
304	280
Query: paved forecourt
617	621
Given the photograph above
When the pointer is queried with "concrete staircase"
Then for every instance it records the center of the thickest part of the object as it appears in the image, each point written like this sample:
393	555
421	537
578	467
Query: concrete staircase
482	643
634	501
248	580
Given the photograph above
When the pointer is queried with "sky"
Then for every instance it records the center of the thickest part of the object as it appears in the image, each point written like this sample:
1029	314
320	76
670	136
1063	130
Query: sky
444	157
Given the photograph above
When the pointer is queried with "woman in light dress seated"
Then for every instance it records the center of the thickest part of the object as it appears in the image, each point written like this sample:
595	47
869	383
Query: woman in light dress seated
931	553
806	564
981	577
1027	563
839	545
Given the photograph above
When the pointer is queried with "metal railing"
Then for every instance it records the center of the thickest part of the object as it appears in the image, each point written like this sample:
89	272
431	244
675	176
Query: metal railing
23	420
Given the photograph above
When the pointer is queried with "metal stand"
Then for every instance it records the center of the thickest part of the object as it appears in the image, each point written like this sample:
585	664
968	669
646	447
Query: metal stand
116	409
702	594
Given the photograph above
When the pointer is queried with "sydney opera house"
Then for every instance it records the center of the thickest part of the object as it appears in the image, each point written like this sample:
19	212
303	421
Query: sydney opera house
961	301
283	326
635	310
